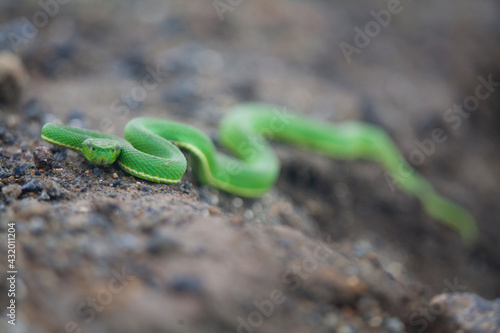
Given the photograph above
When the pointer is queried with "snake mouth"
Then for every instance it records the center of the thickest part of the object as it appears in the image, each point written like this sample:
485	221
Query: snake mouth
99	161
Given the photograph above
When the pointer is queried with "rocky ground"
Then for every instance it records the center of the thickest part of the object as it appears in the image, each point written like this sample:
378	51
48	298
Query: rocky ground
332	248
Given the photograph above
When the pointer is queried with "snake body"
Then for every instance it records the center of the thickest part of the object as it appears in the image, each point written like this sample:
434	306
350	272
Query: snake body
150	151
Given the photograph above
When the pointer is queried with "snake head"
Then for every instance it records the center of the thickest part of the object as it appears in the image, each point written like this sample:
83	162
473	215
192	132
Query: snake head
101	151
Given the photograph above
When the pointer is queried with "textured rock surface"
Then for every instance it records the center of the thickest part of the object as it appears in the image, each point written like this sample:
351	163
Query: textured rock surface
468	313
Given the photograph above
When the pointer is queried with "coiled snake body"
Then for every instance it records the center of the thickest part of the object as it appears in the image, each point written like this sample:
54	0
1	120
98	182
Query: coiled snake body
150	151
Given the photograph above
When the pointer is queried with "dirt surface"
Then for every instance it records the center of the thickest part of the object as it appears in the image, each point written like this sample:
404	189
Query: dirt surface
332	248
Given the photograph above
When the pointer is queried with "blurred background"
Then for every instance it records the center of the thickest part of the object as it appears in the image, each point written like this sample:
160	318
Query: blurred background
410	67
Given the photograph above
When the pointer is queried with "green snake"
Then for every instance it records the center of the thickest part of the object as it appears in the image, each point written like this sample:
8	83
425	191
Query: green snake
150	151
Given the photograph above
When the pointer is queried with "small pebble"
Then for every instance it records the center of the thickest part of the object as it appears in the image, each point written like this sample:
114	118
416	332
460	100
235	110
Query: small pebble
12	191
213	210
97	171
361	248
160	244
33	185
19	171
248	214
394	325
9	140
331	320
116	182
4	173
186	284
237	202
44	196
375	321
107	207
145	188
115	175
53	190
345	329
43	158
353	281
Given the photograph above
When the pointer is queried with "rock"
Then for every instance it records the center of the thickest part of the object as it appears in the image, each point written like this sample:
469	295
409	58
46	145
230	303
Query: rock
161	244
4	173
33	185
107	207
43	158
44	196
9	139
144	188
53	190
12	191
467	312
19	171
186	284
394	325
13	78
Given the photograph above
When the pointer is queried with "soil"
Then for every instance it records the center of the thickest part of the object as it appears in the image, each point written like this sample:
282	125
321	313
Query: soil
334	247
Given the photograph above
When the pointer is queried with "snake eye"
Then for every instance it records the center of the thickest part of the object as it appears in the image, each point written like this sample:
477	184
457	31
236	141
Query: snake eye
93	148
112	150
